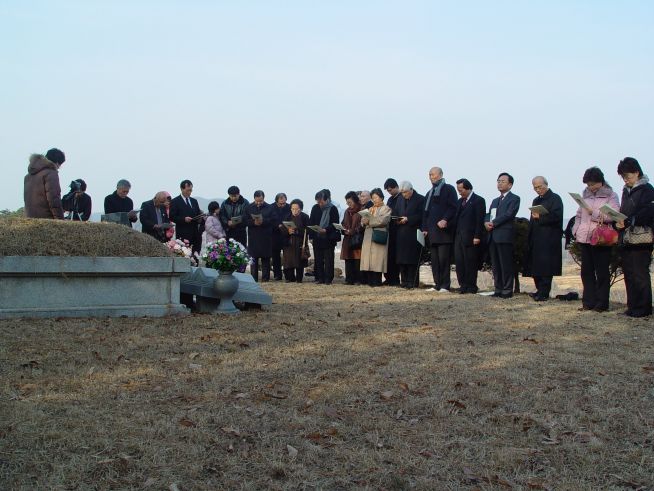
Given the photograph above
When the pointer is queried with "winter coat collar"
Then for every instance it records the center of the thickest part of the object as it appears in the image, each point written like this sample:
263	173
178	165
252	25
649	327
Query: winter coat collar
604	192
39	163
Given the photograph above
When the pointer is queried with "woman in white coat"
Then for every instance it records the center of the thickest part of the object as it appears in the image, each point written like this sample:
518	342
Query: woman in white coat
374	251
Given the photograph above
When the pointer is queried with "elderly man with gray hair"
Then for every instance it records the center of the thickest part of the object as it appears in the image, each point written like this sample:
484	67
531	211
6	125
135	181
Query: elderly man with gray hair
118	202
544	251
409	207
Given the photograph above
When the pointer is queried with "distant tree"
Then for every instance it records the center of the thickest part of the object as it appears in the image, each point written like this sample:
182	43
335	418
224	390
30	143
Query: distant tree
20	212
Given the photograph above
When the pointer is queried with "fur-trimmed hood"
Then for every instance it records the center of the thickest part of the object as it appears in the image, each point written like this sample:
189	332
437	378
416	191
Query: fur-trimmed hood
38	163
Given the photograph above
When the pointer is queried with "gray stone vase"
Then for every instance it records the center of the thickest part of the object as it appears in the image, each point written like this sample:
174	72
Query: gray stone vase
226	285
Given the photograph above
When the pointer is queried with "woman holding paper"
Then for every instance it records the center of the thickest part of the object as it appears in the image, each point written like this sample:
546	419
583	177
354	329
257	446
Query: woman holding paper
636	235
351	250
374	251
595	259
295	228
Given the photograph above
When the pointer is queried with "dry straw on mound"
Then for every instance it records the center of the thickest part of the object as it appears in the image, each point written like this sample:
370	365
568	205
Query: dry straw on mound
37	237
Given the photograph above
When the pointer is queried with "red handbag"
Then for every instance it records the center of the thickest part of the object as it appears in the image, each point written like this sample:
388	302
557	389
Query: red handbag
604	235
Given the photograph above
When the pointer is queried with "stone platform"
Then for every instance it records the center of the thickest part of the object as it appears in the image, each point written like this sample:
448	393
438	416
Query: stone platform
54	286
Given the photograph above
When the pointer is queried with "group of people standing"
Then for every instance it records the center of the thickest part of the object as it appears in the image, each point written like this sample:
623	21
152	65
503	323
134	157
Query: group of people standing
386	237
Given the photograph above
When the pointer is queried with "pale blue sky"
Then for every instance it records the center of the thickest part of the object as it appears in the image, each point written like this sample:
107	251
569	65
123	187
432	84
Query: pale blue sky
297	96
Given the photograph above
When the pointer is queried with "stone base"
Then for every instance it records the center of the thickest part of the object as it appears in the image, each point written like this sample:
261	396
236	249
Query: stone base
91	287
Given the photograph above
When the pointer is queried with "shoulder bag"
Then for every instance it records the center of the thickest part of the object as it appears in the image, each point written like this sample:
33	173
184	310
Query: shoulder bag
379	235
638	235
604	235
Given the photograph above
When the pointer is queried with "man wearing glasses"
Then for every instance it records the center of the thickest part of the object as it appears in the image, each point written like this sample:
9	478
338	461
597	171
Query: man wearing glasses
501	232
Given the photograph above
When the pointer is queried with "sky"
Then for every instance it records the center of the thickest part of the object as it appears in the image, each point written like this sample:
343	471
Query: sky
297	96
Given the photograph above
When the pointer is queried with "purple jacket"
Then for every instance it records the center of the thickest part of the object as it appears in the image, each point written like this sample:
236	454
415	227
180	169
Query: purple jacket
586	222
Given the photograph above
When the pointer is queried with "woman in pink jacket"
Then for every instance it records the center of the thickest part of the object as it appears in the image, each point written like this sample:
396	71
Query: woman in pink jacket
595	260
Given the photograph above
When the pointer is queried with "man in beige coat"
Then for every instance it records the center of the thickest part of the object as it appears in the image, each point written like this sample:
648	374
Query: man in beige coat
42	193
374	256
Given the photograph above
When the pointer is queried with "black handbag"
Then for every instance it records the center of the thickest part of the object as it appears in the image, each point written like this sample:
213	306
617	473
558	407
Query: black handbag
356	240
379	235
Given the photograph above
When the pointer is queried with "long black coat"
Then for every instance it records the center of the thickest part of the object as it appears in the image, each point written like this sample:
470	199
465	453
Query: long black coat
441	207
279	235
260	236
329	239
408	249
544	250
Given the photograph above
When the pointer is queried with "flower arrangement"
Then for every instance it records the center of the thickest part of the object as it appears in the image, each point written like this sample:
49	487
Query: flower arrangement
182	248
226	255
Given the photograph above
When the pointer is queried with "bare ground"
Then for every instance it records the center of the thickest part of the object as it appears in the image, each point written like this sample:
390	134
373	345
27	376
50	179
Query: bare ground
333	387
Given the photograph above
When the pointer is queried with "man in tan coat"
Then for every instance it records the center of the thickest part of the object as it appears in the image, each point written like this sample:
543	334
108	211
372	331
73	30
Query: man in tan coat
42	192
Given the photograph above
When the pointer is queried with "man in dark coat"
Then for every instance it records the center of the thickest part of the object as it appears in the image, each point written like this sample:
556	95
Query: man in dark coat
154	217
42	192
185	213
119	202
501	235
410	206
392	270
324	215
261	220
232	216
544	255
281	210
76	202
438	225
468	245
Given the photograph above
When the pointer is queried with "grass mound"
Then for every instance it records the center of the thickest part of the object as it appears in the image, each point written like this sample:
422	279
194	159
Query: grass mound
38	237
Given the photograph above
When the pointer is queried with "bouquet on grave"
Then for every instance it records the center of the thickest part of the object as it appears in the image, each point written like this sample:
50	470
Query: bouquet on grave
182	248
226	256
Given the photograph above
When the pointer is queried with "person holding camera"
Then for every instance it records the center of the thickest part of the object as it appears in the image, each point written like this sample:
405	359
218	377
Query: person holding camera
77	203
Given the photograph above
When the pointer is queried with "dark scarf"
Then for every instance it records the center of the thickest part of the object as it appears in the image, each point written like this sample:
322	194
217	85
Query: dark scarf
434	191
324	219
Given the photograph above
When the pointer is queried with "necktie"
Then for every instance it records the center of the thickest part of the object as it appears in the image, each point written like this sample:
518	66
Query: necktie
464	203
188	202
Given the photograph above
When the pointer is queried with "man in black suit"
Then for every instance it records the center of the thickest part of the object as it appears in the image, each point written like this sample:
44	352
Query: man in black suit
154	217
409	206
438	225
185	213
501	235
470	213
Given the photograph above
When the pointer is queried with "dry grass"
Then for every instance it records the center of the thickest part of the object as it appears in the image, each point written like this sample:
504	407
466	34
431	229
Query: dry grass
38	237
332	388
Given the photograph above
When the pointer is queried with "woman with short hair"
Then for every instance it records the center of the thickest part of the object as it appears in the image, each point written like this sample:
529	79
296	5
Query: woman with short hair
638	206
296	240
352	232
374	253
595	259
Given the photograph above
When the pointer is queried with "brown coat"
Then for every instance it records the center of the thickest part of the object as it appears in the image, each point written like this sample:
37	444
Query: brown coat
351	222
42	192
374	257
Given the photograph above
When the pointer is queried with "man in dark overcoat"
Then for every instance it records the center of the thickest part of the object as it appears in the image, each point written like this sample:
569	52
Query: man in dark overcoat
438	223
185	213
232	216
261	220
324	214
392	274
501	235
544	252
410	206
468	244
281	210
